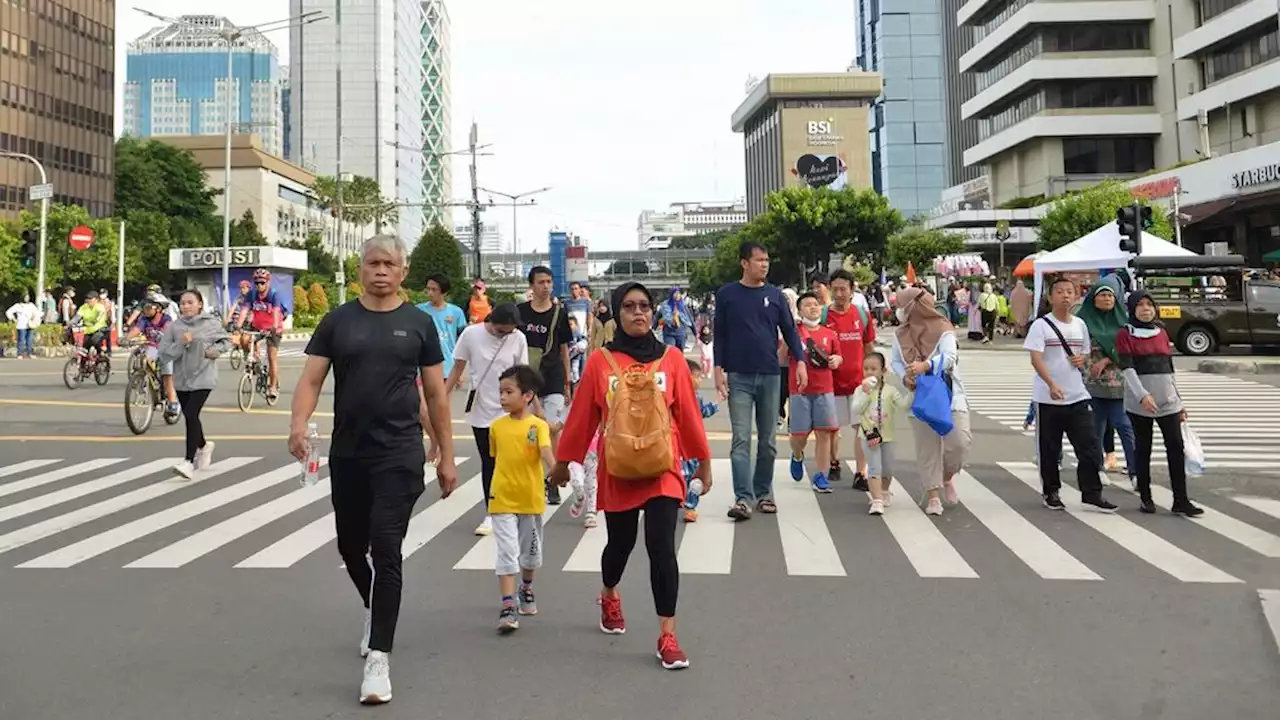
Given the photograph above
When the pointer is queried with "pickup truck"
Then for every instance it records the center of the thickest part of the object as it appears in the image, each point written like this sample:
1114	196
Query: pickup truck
1210	302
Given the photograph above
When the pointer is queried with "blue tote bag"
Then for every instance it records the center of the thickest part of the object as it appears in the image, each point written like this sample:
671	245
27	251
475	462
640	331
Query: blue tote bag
932	403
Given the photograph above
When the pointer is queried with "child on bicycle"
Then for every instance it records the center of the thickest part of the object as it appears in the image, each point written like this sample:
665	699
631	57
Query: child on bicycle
151	324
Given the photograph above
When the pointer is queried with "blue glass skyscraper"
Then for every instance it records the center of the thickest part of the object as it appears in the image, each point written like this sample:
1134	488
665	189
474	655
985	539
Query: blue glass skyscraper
902	40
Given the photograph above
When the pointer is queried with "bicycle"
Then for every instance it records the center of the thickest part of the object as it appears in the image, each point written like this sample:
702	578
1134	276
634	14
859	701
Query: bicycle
236	356
256	378
144	393
84	363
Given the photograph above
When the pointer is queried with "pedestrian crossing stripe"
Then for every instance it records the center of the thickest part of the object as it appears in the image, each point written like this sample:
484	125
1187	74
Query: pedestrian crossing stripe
705	548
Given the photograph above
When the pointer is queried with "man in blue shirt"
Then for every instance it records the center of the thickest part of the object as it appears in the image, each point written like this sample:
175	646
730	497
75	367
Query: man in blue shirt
750	317
449	319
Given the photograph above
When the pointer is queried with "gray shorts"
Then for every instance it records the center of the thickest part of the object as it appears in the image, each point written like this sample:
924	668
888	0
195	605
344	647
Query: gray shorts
879	458
553	408
519	542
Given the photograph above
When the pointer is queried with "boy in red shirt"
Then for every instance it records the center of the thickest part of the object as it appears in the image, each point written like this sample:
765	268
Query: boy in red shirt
857	336
815	410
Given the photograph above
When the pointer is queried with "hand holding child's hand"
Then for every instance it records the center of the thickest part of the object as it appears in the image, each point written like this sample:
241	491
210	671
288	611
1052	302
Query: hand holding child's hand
835	361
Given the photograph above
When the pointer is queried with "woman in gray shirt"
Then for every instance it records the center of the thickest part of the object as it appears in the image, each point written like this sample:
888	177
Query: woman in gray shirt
1151	398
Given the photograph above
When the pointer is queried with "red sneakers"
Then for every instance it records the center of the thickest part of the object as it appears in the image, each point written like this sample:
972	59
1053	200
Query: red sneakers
611	621
669	652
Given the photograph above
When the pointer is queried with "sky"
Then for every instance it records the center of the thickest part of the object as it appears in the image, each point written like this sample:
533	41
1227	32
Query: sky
618	107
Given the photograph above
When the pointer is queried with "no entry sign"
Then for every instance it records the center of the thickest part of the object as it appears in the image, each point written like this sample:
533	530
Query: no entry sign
81	237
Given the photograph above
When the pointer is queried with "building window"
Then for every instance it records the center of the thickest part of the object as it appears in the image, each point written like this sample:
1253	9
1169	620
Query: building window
1210	9
1100	94
1108	156
1241	56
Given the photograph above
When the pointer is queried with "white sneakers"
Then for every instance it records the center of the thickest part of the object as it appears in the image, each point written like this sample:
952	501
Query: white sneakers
876	508
485	527
376	688
186	469
934	507
368	628
204	456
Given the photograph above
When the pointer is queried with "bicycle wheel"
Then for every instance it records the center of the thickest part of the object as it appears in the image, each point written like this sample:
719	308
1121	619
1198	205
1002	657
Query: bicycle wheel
102	371
235	357
71	373
138	407
244	393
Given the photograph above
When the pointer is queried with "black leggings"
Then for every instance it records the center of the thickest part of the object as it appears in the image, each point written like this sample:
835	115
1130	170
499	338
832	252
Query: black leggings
486	460
659	539
192	401
1171	429
785	391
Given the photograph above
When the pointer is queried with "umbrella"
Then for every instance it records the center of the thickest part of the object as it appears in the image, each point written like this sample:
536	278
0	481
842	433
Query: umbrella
1027	267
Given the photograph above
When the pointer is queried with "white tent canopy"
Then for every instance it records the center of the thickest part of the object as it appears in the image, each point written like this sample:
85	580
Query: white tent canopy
1100	250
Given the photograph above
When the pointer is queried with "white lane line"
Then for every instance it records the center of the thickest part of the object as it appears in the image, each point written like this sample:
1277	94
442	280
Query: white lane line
108	540
426	525
1259	541
707	545
923	543
211	538
586	554
482	555
24	466
89	513
1044	556
807	546
18	486
87	487
1271	611
1267	506
1144	544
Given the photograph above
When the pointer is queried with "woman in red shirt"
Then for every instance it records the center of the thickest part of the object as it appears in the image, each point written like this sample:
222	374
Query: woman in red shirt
621	500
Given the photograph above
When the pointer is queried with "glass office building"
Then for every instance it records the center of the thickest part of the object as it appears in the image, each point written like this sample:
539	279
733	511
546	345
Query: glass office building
902	41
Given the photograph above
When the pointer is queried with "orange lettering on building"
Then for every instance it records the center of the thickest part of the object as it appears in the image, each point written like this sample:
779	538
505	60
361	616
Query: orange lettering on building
1153	190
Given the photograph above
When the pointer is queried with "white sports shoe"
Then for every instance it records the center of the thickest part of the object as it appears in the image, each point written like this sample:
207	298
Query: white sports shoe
186	469
204	456
934	507
876	508
485	527
368	628
376	688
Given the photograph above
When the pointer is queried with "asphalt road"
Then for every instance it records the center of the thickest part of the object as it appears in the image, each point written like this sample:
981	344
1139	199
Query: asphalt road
127	594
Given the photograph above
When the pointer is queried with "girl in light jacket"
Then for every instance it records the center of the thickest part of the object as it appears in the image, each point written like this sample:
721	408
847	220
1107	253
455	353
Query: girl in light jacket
193	344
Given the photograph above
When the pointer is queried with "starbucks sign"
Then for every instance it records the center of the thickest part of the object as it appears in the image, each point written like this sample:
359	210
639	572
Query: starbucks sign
1264	175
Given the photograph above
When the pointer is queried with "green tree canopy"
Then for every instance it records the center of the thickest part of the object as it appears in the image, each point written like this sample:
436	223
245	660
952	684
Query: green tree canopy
322	265
1077	215
154	176
362	200
437	252
804	226
83	269
698	242
245	232
919	245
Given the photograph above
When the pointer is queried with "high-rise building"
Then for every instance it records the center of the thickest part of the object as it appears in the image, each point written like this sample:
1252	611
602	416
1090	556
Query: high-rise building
490	238
806	130
371	50
656	229
901	40
286	117
956	88
177	82
57	103
437	175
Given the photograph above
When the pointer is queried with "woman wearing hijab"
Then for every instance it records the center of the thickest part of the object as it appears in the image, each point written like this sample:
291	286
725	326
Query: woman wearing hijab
924	343
784	360
602	329
988	303
1103	314
1151	398
1020	302
622	500
674	319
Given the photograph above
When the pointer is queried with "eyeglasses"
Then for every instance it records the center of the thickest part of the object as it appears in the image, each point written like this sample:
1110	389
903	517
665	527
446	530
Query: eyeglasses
261	282
637	307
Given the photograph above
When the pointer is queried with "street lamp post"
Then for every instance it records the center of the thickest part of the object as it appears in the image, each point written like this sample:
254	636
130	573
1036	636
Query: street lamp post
515	210
44	214
230	34
474	205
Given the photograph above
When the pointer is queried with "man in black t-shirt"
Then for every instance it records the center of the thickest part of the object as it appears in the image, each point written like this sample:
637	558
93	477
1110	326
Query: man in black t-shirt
545	324
388	382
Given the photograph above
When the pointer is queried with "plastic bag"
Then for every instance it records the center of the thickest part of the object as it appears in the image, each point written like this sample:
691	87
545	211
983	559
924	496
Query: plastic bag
1195	462
932	402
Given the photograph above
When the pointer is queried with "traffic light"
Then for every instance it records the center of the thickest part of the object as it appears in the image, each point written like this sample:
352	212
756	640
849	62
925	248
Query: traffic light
1147	222
1128	219
30	249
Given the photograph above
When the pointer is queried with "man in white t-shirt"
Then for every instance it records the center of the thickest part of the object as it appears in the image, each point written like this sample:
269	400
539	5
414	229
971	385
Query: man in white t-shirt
487	349
1059	345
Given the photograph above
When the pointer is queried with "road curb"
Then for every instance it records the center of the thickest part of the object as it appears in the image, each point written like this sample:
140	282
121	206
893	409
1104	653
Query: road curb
1238	367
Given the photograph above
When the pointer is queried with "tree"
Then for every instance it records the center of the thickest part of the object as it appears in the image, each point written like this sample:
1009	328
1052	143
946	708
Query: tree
245	232
301	303
354	290
436	252
154	176
14	279
707	276
919	245
317	300
322	265
362	201
699	242
803	227
95	267
1075	216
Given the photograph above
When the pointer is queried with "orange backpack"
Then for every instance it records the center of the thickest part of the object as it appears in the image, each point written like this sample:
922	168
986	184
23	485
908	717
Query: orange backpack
637	434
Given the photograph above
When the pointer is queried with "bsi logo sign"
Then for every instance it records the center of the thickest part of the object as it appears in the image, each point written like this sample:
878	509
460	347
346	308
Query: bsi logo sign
821	127
821	133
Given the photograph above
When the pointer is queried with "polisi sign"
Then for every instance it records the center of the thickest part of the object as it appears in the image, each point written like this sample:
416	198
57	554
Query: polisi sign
821	133
207	257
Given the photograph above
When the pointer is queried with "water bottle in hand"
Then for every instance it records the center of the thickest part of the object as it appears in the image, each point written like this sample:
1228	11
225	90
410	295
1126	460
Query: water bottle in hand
311	468
695	492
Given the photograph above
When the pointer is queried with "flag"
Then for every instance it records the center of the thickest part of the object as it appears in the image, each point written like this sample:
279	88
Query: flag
911	274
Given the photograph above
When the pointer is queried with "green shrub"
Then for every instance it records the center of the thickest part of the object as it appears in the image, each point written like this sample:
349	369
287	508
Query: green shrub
317	300
301	304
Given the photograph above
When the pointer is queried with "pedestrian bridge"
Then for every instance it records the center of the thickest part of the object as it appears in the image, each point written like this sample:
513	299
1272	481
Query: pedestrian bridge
657	269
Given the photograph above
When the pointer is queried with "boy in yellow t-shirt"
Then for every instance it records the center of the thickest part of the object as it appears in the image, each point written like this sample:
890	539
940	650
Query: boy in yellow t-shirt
520	443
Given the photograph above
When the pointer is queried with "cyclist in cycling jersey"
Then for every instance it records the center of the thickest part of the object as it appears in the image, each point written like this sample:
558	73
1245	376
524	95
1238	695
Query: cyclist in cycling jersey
238	316
152	294
266	315
151	324
95	319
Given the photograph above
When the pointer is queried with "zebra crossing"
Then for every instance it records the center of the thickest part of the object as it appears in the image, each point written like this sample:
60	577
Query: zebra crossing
248	513
1235	418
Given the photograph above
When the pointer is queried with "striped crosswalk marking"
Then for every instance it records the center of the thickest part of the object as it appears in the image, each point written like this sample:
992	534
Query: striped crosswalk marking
17	486
96	545
483	554
25	465
1044	556
89	487
89	513
1267	506
926	548
807	547
586	554
1259	541
706	547
1144	544
426	525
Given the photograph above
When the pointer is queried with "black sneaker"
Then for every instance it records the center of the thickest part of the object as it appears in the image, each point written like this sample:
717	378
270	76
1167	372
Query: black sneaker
1053	502
860	482
1146	506
833	474
740	510
1186	509
1099	503
553	494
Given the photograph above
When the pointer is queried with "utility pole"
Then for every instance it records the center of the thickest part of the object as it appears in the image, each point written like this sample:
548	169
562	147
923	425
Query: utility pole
475	201
341	275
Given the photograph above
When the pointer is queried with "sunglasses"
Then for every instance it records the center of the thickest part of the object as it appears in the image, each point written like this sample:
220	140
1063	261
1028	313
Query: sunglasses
637	307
